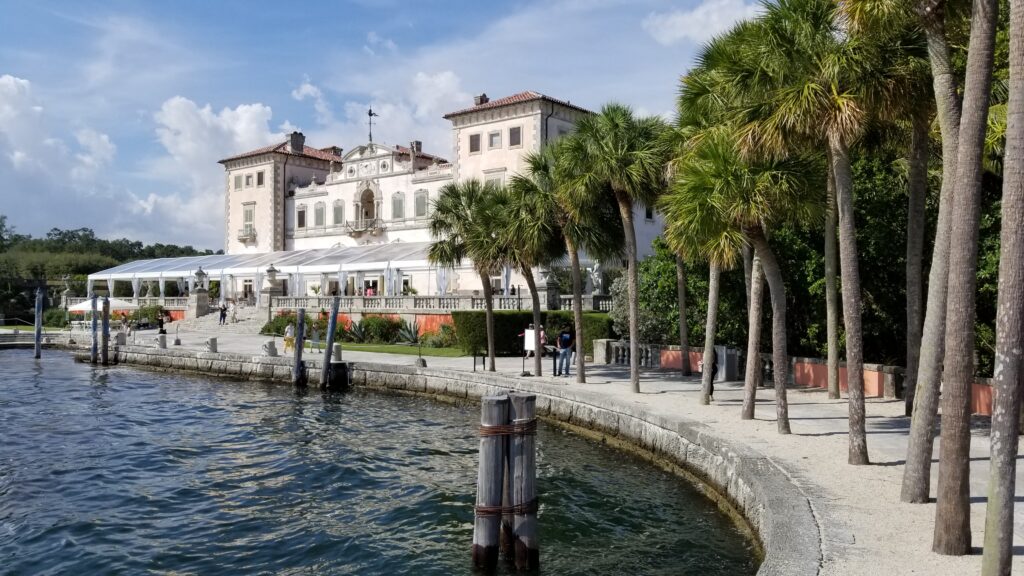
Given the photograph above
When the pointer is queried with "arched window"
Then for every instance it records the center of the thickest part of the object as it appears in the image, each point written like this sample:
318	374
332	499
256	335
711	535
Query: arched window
398	206
422	203
339	212
318	214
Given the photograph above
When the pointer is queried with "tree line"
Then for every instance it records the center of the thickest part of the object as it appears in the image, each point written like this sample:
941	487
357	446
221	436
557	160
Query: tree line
771	126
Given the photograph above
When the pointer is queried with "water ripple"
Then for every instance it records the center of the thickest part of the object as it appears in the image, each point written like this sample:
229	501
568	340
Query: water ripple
126	471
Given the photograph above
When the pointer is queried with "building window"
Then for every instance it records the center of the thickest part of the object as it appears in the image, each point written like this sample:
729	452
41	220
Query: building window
398	206
238	181
515	137
248	216
496	180
474	143
649	213
248	180
339	212
494	140
300	217
259	178
422	203
319	214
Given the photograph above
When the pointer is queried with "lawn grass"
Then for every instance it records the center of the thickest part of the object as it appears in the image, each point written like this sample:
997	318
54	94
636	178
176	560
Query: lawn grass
403	349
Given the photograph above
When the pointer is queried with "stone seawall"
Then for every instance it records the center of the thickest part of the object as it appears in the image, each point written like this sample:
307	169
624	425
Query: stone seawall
775	507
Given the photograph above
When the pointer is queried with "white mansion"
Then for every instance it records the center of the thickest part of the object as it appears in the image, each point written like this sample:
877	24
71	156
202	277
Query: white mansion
351	222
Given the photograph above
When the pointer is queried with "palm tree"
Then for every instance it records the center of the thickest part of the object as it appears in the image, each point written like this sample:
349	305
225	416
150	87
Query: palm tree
952	513
719	201
684	332
462	226
925	391
998	548
616	149
752	378
541	193
532	238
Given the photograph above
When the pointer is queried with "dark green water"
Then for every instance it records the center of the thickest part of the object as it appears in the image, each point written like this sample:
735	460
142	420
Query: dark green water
123	471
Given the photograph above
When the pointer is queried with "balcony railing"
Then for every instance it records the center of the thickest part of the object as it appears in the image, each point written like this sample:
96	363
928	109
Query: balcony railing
247	234
431	304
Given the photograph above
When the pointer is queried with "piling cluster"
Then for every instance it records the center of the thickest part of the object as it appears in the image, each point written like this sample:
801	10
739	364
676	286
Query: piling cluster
506	502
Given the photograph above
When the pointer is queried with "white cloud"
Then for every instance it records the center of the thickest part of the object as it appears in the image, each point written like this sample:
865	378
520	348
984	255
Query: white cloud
375	42
706	20
97	153
307	90
194	138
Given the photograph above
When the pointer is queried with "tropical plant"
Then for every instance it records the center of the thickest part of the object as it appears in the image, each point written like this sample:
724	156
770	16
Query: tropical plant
616	150
462	226
546	208
409	332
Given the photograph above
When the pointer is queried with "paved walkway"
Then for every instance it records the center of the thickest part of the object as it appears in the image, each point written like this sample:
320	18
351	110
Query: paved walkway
866	529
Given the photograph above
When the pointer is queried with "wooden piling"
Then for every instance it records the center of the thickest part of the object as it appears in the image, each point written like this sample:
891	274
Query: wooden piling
94	349
39	323
105	341
523	472
332	323
298	370
490	481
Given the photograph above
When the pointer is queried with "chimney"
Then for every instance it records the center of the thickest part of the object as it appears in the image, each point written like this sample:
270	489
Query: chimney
481	99
416	146
296	142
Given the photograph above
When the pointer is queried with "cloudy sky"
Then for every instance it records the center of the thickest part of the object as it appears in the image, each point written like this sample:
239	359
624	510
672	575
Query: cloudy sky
113	114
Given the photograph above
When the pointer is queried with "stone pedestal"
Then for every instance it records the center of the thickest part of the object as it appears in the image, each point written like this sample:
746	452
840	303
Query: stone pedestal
269	348
211	344
161	341
198	303
272	291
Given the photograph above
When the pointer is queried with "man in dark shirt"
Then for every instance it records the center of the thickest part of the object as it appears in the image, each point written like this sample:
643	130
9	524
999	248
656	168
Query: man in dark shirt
564	344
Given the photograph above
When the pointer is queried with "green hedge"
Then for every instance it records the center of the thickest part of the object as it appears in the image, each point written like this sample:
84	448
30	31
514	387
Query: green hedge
471	329
278	324
380	329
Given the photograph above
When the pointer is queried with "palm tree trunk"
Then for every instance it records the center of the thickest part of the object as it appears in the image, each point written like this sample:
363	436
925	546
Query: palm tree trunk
831	290
489	312
917	189
577	309
748	270
1009	370
684	332
753	373
917	471
780	358
850	272
952	511
535	301
706	374
626	212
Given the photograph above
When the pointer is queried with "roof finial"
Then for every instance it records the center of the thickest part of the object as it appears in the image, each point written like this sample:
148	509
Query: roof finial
371	114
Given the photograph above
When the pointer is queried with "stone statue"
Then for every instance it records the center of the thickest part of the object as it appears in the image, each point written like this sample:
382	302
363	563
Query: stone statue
596	279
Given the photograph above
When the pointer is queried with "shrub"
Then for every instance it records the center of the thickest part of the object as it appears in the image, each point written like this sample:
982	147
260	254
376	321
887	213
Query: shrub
380	329
55	317
279	323
471	328
443	337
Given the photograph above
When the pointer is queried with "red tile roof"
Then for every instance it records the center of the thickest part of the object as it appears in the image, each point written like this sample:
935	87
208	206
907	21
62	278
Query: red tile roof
406	150
283	148
519	98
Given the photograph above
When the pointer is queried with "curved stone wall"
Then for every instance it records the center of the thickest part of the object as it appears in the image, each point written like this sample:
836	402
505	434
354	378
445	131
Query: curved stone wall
762	491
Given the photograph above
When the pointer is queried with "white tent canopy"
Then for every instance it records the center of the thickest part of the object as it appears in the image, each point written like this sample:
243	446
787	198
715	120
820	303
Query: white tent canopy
368	258
115	304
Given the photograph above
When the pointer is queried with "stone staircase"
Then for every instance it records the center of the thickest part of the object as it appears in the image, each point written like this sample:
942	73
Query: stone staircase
248	320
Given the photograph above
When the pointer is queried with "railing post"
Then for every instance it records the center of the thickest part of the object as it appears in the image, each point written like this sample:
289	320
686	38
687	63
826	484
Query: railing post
298	370
39	324
325	372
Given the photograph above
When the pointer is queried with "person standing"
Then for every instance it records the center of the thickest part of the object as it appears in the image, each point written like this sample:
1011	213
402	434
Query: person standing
564	344
223	314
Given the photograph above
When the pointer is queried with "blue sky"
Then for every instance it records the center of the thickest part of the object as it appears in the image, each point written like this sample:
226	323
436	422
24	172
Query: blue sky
113	114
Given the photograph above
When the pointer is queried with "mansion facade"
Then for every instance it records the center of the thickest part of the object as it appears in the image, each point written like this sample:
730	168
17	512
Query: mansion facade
303	221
